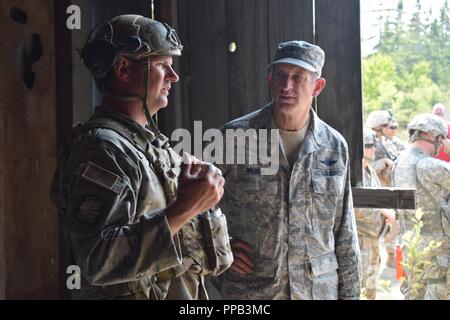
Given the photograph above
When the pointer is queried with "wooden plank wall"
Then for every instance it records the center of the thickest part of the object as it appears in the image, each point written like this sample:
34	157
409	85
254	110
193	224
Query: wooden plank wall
340	104
218	85
29	227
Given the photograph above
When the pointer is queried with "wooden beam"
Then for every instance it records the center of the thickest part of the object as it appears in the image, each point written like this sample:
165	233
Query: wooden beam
340	104
389	198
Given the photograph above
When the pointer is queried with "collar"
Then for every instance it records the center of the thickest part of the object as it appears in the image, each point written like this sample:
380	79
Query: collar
312	141
150	132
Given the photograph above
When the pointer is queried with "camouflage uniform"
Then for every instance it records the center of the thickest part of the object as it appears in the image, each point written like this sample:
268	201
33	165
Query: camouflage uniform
115	179
399	145
370	225
431	177
299	221
112	195
393	148
385	149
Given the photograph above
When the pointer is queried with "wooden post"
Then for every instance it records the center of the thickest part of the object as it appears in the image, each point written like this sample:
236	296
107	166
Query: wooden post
340	104
29	254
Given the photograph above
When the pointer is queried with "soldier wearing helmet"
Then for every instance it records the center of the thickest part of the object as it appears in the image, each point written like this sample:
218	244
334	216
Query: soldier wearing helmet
378	121
132	213
372	224
416	168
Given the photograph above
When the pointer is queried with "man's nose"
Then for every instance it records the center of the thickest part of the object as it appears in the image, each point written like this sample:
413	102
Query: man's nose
286	84
172	76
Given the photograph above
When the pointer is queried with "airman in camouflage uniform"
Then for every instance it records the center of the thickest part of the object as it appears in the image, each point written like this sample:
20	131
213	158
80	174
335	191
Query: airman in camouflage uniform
371	223
131	211
294	233
418	169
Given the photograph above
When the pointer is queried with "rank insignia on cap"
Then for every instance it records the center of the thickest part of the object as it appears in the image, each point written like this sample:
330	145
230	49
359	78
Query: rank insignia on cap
103	177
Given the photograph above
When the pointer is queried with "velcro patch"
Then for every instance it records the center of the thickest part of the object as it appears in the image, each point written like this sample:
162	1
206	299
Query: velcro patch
89	210
103	177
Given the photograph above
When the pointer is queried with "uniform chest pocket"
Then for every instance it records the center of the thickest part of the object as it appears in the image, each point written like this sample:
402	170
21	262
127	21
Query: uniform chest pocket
327	187
250	180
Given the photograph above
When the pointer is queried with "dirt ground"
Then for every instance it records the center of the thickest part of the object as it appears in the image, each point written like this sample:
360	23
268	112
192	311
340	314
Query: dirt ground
388	286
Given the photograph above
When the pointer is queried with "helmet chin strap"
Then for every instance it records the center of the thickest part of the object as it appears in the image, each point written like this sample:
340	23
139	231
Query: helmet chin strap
145	107
434	143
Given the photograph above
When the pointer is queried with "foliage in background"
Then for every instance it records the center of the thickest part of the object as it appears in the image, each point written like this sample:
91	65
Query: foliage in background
410	69
418	256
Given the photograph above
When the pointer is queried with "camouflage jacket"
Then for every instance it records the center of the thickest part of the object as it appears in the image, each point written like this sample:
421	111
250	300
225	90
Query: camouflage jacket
385	149
369	221
431	177
399	145
299	221
112	200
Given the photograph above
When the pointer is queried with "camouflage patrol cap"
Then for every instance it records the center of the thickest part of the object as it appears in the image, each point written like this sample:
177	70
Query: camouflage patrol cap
369	136
378	118
429	123
302	54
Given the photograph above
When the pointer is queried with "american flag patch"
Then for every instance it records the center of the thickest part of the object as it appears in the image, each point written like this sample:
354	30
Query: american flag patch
103	177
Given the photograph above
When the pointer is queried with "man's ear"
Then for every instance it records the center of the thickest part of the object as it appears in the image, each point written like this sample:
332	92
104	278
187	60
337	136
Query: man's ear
320	84
269	79
122	69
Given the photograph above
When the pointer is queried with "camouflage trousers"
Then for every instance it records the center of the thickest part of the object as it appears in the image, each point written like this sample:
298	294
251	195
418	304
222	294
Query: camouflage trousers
438	279
370	263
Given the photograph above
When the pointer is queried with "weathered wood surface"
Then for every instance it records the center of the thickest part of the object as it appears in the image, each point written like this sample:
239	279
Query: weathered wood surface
29	223
340	104
393	198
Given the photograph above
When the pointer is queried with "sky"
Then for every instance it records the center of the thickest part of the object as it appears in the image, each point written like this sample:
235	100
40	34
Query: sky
370	12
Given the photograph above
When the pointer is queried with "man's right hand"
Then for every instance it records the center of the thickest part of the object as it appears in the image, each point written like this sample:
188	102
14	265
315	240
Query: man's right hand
200	187
242	263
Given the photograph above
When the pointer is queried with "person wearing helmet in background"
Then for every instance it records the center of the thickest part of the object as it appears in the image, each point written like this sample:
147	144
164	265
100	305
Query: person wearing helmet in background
372	224
390	132
439	110
384	158
385	154
131	210
416	168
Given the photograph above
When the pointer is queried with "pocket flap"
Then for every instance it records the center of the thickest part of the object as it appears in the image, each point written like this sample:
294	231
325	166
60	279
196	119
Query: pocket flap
323	264
327	181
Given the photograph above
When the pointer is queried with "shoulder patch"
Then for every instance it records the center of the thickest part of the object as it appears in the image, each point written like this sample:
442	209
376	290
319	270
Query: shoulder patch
103	177
89	210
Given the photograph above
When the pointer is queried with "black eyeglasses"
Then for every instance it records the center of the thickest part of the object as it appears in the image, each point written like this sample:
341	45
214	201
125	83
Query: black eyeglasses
393	127
370	145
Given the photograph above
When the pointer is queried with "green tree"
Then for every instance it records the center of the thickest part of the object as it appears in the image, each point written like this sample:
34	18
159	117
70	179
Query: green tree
410	70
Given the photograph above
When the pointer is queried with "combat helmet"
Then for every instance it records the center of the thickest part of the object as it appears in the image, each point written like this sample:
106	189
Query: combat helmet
132	36
378	118
428	123
369	136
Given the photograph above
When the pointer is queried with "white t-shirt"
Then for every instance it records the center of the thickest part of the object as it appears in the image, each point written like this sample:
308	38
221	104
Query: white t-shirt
292	141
